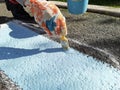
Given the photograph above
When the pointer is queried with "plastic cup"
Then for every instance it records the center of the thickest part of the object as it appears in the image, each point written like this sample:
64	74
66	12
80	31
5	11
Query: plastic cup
77	6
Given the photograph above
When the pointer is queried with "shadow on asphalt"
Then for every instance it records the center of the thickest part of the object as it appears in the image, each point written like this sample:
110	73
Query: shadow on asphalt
17	32
4	19
2	1
52	50
69	19
108	21
112	45
10	53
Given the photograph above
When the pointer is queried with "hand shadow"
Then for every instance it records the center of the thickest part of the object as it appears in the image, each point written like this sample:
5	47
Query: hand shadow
52	50
11	53
19	31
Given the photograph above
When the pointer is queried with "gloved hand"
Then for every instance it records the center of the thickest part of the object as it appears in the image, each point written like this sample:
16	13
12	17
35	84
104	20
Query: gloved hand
64	42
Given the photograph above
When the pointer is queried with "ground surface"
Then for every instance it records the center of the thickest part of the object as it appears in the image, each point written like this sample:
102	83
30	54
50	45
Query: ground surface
35	62
97	30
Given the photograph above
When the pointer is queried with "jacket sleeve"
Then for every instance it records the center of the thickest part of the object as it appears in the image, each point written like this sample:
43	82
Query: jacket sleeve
48	16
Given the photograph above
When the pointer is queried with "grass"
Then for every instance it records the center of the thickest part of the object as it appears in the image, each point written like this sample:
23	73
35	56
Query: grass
113	3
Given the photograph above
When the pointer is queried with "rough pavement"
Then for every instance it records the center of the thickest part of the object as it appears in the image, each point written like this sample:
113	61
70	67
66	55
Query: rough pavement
35	62
96	30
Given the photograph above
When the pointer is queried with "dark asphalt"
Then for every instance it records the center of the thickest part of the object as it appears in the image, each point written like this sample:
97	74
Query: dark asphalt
97	30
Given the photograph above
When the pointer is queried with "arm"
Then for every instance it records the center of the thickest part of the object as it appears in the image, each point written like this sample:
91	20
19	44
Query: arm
49	17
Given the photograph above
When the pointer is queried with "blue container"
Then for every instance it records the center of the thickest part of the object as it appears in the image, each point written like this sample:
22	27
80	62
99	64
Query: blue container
77	6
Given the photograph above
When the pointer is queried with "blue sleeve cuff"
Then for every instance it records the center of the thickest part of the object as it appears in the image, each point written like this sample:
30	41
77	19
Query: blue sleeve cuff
50	24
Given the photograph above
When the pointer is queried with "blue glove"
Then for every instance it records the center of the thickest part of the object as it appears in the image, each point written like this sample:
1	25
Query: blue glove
50	24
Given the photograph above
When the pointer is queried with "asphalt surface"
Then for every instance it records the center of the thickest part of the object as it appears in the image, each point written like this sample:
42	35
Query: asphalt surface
35	62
